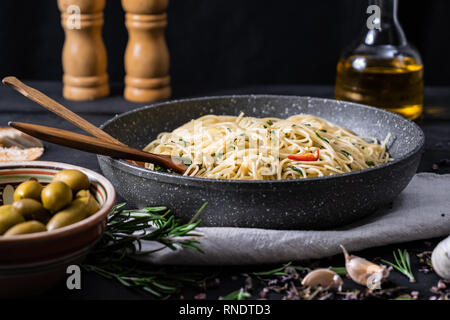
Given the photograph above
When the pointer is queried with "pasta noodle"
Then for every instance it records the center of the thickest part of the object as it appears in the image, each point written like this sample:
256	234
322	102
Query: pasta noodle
248	148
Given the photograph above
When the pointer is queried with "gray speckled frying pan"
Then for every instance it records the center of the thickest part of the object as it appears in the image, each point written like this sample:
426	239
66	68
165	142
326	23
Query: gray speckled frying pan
314	203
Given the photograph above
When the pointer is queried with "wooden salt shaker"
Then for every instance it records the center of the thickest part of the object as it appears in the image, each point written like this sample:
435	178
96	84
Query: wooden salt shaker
84	55
146	56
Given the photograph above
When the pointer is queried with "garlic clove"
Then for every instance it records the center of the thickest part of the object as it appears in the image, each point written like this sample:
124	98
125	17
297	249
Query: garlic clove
363	271
440	259
325	278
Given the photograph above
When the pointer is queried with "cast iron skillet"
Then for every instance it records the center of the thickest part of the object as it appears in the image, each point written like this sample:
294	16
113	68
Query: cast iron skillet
314	203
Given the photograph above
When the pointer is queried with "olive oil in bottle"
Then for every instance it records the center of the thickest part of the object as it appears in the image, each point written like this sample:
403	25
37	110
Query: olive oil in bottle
383	70
393	84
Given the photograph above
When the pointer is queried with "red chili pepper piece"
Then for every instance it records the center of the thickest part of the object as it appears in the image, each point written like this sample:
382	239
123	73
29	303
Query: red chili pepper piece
305	156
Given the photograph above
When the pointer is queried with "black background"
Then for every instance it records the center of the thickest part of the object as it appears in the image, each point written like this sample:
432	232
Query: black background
217	44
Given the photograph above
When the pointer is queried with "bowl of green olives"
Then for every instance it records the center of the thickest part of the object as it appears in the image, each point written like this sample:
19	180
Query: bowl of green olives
51	214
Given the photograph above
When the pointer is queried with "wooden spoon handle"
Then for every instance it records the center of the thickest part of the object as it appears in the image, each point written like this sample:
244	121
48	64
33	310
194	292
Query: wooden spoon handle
58	109
97	146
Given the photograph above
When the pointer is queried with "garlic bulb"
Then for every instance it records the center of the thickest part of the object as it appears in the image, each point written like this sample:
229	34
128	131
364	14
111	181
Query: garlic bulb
325	278
440	259
363	271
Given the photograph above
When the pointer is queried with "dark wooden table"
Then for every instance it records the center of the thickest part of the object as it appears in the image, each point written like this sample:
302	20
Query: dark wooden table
436	125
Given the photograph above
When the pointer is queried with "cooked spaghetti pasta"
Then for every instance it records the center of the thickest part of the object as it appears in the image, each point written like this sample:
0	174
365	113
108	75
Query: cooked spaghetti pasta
248	148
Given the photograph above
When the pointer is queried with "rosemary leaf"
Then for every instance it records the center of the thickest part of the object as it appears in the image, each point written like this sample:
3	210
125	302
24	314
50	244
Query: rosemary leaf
125	229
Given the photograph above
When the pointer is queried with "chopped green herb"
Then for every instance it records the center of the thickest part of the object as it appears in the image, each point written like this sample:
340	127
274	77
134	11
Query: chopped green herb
296	170
159	168
370	163
307	124
229	130
269	122
181	139
323	130
265	127
186	161
346	153
320	137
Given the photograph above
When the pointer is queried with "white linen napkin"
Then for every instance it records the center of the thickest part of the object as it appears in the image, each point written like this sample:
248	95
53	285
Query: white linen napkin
421	211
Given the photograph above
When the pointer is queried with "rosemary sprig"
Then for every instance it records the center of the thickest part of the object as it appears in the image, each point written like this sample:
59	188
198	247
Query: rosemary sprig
159	283
274	272
402	264
125	230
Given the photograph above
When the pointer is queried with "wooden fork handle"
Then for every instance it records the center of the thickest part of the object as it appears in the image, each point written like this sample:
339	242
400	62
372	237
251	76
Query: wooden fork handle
57	108
97	146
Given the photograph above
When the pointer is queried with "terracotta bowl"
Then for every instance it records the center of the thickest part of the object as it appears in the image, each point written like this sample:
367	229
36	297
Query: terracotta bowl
33	263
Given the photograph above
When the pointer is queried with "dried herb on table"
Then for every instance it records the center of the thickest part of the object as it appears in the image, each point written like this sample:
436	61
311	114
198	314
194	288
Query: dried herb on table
112	256
441	290
425	265
287	279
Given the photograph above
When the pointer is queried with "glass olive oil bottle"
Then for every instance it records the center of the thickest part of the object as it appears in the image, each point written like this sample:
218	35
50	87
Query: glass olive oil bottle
383	70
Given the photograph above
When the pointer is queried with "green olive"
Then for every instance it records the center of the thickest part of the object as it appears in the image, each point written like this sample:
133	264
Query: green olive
56	196
77	211
93	205
31	209
9	217
26	227
28	189
75	179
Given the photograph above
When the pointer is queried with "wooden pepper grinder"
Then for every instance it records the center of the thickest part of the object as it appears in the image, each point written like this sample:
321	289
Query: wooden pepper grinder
146	56
84	55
